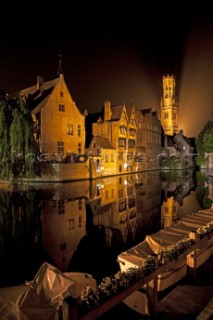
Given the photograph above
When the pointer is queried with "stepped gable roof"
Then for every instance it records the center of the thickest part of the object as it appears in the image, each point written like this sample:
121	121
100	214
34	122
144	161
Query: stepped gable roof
36	97
116	112
129	111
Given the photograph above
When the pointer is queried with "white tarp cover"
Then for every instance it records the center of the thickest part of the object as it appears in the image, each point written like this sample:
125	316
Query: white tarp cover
39	298
22	303
52	285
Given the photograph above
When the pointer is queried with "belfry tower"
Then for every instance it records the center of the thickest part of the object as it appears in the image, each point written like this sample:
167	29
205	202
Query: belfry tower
168	106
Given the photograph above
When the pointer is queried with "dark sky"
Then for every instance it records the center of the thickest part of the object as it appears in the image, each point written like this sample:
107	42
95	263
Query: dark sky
113	52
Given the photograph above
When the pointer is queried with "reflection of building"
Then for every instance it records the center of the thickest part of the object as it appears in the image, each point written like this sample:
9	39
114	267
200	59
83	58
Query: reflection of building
148	200
135	206
175	189
63	224
169	212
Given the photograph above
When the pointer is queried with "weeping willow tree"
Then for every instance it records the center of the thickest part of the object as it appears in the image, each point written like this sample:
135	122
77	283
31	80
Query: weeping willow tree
22	142
5	120
18	149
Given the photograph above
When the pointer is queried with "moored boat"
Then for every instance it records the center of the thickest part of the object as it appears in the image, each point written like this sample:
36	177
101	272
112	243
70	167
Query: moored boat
161	241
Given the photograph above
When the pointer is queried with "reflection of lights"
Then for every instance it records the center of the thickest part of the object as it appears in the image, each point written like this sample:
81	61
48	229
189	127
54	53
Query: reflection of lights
126	182
125	165
100	186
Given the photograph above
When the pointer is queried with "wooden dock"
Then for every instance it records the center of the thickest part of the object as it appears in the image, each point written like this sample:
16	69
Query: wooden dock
190	299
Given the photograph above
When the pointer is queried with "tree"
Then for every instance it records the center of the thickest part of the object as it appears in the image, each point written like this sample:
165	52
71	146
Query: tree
22	140
5	119
18	149
204	142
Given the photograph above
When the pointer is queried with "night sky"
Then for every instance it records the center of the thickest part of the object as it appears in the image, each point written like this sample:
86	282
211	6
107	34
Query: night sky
113	52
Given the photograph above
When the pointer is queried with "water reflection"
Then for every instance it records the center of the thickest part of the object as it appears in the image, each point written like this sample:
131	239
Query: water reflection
84	225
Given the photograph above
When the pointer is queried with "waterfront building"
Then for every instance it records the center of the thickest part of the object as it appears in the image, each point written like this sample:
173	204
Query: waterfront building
115	125
120	139
149	138
59	126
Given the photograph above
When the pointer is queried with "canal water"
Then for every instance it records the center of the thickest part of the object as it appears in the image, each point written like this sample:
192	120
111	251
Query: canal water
84	225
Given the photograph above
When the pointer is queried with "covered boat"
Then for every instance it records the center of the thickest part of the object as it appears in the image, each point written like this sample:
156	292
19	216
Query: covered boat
43	297
166	237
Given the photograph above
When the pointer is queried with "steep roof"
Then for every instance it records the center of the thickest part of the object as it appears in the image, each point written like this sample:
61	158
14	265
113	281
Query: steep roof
36	96
116	112
129	111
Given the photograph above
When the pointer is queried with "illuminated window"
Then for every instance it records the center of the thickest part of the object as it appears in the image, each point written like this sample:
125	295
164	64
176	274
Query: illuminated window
123	218
60	148
129	155
120	193
122	206
131	203
132	132
79	147
122	130
133	123
70	129
79	130
122	142
131	143
61	108
120	156
71	224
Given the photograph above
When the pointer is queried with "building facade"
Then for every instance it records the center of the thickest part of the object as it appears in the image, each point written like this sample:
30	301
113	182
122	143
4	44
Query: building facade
59	127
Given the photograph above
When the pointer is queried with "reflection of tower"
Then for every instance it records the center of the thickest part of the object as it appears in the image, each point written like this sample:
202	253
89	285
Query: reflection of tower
168	106
169	212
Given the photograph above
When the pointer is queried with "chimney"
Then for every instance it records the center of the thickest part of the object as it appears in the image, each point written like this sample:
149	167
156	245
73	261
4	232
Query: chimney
107	110
40	80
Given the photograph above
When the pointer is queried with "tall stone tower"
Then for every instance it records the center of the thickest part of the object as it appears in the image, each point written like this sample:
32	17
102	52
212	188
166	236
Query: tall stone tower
168	106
